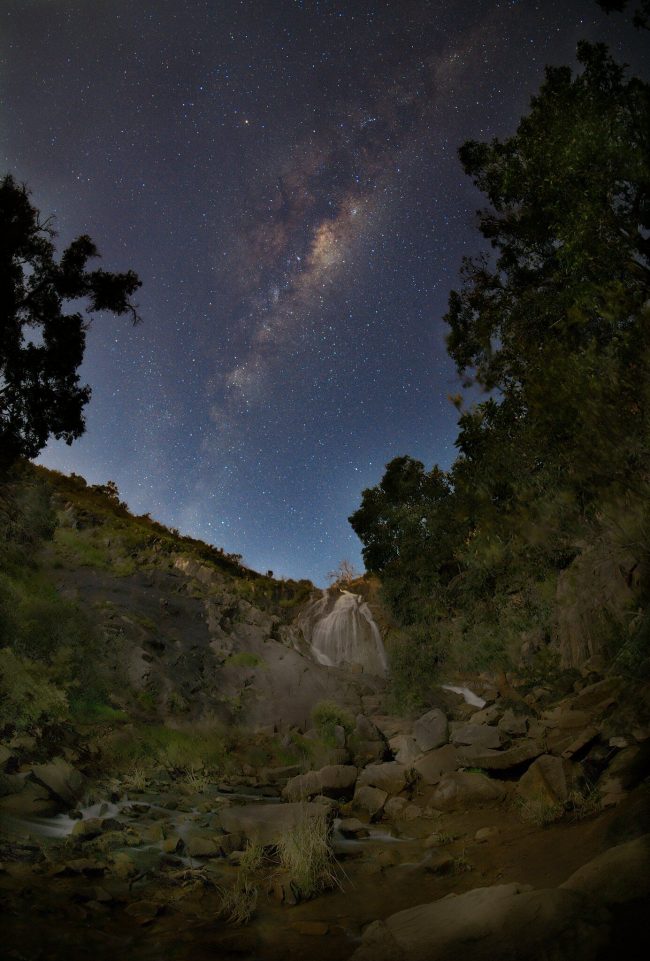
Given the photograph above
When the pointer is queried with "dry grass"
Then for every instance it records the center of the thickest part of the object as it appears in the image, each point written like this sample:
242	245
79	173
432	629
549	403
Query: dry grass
305	854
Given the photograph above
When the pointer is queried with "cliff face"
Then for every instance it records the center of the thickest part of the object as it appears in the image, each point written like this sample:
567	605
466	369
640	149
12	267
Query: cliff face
182	630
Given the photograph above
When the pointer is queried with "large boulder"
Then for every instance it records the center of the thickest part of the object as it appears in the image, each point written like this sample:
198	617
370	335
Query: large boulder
480	735
433	765
405	748
462	789
391	777
619	875
548	779
475	756
507	921
333	780
60	780
370	799
267	823
431	730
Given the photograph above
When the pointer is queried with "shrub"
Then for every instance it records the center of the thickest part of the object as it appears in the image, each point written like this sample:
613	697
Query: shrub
306	855
28	698
327	716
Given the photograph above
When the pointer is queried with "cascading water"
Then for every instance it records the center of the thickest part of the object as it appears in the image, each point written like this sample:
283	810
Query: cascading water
344	632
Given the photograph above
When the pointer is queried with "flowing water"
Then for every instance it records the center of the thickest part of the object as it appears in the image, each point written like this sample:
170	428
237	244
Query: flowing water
344	632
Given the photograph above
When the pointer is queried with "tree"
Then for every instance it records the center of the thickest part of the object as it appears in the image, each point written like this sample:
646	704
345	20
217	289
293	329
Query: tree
41	346
641	18
569	221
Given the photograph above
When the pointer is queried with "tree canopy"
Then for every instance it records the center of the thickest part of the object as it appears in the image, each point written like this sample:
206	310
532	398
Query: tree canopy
552	321
42	346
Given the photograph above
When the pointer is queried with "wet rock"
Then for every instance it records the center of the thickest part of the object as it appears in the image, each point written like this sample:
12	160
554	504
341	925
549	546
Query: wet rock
460	789
370	799
391	777
198	847
25	798
84	866
479	735
431	730
548	779
123	866
433	765
87	829
439	864
353	828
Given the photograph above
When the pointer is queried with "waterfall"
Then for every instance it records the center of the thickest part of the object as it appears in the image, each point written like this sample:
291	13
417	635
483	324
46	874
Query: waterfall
343	632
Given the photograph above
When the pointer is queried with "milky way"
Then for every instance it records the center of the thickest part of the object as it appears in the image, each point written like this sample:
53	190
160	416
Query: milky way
283	175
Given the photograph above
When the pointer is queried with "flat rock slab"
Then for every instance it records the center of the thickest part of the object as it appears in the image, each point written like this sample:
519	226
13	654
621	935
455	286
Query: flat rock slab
475	756
267	823
435	764
480	735
504	921
462	789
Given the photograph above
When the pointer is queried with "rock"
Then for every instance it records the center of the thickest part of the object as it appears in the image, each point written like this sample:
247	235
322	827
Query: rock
266	823
515	725
334	780
370	799
24	798
484	834
548	779
87	829
433	765
582	740
394	807
173	844
123	867
460	789
619	875
628	768
84	866
504	921
390	726
488	715
144	912
437	863
405	748
390	777
6	756
524	750
431	730
412	812
353	828
479	735
198	847
60	779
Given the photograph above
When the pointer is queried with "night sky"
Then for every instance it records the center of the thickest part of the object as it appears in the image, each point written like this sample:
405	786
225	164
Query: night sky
283	176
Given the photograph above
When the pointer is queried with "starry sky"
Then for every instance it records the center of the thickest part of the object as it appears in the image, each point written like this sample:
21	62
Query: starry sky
283	176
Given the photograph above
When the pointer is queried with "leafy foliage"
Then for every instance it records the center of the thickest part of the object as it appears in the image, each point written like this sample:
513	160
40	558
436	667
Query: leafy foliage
41	347
552	322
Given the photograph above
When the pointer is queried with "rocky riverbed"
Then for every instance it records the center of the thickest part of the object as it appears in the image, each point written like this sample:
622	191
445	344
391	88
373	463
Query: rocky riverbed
466	822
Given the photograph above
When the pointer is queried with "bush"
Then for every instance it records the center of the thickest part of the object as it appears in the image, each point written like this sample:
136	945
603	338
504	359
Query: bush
28	698
327	716
305	854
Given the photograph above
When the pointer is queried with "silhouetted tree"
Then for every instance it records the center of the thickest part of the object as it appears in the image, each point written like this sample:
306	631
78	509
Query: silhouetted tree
41	346
641	18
